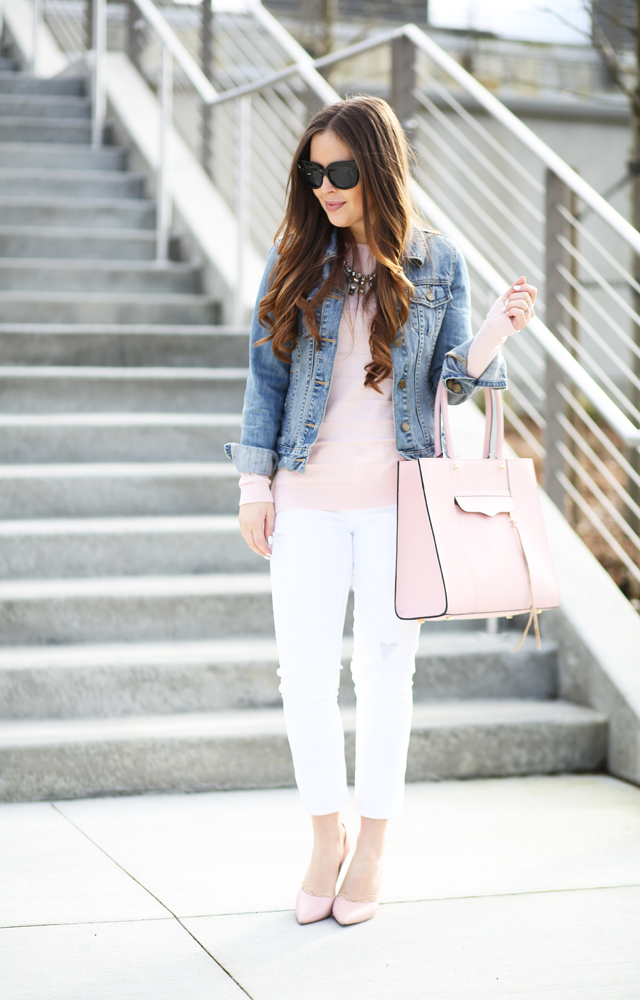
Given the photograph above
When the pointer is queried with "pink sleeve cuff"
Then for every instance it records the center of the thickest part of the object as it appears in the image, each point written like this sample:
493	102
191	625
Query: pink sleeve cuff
255	489
488	340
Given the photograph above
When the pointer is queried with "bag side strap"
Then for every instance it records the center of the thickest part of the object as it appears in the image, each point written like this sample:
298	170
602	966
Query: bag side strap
533	614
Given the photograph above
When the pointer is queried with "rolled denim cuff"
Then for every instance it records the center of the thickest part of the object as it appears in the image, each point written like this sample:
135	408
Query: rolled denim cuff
460	385
249	458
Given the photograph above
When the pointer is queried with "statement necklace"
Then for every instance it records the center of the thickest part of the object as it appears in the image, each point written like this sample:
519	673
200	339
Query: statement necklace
358	281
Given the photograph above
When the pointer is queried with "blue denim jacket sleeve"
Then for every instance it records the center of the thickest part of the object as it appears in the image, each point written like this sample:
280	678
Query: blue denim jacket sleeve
451	354
262	410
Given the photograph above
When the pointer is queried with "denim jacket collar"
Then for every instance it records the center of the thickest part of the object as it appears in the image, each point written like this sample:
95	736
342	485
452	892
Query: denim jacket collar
416	247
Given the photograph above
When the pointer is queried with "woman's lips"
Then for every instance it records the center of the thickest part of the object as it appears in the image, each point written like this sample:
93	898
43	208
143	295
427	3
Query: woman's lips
333	206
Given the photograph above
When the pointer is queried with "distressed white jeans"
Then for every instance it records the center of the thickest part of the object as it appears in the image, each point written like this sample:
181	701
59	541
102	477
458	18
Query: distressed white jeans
315	554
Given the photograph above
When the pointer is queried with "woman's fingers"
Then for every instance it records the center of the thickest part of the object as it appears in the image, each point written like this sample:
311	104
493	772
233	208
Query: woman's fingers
519	302
256	522
522	286
269	521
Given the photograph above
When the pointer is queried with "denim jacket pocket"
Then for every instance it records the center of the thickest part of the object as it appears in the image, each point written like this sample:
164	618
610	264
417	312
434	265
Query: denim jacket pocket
428	305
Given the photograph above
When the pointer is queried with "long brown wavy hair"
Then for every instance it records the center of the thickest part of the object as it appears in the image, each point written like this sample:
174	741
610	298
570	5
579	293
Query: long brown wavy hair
371	130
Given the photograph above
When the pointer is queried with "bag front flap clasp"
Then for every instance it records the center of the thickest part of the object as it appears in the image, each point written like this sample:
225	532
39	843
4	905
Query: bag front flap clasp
489	505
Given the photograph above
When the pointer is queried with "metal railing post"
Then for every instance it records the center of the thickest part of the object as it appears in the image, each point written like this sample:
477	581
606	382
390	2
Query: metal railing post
163	193
206	59
556	286
403	81
99	92
243	168
312	102
37	17
135	34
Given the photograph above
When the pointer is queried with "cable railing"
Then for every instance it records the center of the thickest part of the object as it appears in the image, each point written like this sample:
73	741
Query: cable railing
239	90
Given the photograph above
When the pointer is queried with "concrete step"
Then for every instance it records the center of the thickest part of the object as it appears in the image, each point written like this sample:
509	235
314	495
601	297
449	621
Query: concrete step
61	156
8	65
31	129
135	609
112	680
43	105
41	182
20	274
122	546
76	243
119	345
113	489
116	437
75	758
82	213
24	83
32	390
93	307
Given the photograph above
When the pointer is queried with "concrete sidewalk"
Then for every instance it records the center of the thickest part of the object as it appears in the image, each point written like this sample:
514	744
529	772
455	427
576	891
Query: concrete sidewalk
521	887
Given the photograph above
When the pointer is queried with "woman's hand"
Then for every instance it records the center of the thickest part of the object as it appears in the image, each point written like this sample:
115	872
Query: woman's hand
518	302
256	525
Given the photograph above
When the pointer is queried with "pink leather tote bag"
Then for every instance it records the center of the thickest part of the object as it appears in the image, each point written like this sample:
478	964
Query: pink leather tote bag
471	540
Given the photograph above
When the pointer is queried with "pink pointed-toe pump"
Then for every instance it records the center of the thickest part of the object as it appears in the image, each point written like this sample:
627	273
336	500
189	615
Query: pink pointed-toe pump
310	908
347	911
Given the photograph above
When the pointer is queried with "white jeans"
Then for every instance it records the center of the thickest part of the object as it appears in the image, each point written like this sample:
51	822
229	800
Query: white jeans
314	555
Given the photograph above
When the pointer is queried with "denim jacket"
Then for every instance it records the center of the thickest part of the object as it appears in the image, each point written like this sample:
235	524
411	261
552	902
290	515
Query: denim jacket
284	403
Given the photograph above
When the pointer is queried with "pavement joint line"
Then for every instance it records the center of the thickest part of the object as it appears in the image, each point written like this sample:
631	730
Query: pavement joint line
251	913
153	895
84	923
431	899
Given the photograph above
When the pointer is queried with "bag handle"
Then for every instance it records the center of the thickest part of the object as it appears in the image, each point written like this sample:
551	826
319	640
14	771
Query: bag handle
493	430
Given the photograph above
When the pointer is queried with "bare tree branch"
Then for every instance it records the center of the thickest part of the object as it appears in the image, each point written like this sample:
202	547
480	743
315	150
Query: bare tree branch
613	62
612	18
567	23
605	49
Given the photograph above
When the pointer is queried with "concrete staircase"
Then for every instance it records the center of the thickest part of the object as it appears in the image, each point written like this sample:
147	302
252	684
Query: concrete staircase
136	636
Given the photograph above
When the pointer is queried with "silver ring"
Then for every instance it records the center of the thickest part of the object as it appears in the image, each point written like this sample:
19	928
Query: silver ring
530	309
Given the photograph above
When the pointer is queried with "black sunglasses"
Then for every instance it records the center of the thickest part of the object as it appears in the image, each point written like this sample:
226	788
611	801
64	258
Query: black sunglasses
343	174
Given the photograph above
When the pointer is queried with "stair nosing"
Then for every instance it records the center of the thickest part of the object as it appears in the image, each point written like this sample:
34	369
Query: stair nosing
124	373
136	587
62	98
48	146
79	201
229	650
117	420
142	524
117	470
75	232
89	298
266	722
147	329
70	173
82	264
46	122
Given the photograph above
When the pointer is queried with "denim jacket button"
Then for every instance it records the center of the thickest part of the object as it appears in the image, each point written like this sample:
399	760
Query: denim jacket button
401	384
454	386
397	342
404	427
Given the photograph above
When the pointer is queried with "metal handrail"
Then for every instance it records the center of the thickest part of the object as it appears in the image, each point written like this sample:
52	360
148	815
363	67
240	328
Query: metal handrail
308	69
502	114
553	369
551	345
167	36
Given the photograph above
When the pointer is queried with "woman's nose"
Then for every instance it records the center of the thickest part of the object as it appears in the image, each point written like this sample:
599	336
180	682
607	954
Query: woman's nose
327	186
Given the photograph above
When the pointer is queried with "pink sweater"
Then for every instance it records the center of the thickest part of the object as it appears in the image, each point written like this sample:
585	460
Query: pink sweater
352	465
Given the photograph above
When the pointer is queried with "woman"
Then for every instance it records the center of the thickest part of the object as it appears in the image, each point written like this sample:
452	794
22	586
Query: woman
359	315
